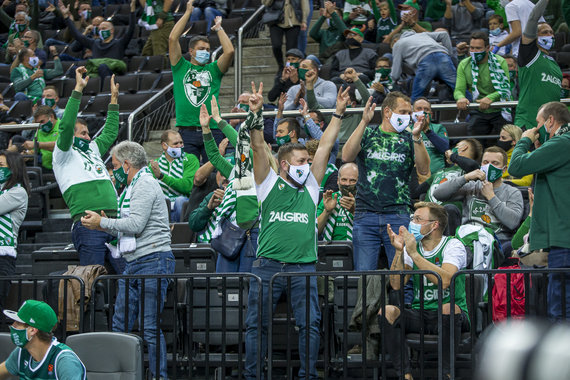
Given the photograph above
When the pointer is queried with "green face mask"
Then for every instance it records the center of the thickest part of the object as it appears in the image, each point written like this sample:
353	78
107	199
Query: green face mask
47	127
302	73
479	56
564	92
543	135
19	337
230	158
454	150
384	71
244	107
295	64
48	102
120	175
104	34
26	43
21	27
493	173
81	144
345	189
5	174
283	140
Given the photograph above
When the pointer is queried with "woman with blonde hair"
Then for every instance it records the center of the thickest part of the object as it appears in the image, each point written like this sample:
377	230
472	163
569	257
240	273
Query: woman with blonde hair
508	138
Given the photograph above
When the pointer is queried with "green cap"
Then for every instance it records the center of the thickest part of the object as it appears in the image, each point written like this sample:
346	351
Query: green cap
37	314
411	3
354	30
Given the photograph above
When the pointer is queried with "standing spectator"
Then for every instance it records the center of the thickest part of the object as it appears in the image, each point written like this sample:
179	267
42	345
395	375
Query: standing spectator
517	12
28	79
486	76
385	156
409	14
361	59
386	19
497	33
157	18
429	52
463	18
551	166
289	76
143	237
175	171
434	135
46	135
508	138
14	192
356	12
81	174
311	86
540	77
209	10
302	44
196	81
331	38
291	20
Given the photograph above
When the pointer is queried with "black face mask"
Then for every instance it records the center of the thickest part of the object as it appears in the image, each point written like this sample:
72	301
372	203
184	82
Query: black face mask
352	42
345	189
505	145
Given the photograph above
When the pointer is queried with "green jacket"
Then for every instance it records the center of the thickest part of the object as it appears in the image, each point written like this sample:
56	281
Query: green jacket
328	37
216	159
34	88
198	219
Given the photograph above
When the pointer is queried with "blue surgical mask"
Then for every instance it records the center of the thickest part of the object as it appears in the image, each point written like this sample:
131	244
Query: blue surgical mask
546	42
495	32
202	56
415	229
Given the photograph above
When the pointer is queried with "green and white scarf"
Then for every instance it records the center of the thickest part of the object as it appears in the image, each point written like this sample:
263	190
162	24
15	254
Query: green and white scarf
224	210
148	18
244	163
337	214
330	170
501	81
7	235
174	169
25	75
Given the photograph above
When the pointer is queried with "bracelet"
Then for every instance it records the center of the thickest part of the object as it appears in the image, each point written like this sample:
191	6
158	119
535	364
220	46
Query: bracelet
217	30
337	115
418	141
307	117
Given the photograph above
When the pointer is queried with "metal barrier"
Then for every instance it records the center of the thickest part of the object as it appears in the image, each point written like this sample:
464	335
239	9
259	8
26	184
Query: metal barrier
252	26
145	118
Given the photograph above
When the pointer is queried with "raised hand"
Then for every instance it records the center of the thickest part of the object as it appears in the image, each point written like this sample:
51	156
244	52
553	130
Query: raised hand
368	112
217	24
215	110
329	201
80	82
204	118
114	90
396	240
223	146
256	99
305	107
342	99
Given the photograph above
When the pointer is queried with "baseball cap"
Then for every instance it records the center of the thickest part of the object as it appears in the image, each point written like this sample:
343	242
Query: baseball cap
354	30
411	3
34	313
295	53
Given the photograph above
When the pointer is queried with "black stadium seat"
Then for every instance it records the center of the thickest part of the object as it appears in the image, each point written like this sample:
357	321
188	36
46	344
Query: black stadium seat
93	86
127	84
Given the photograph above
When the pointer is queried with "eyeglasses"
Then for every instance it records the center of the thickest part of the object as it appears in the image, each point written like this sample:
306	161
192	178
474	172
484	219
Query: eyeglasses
417	219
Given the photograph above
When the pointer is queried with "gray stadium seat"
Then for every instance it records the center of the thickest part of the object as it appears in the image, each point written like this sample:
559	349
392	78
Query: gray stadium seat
109	355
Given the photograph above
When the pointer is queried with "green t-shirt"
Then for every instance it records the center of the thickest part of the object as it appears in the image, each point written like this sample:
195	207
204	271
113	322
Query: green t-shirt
48	137
288	226
339	224
330	170
60	362
437	159
440	177
385	163
194	85
539	83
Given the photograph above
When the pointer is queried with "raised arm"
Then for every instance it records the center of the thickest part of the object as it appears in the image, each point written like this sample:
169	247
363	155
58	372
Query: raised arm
174	49
111	127
83	40
260	163
531	28
67	123
227	47
352	146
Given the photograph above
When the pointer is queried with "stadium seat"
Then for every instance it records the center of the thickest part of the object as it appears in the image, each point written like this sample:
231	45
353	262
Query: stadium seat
48	261
5	71
345	298
146	64
335	256
198	28
109	355
200	258
563	60
97	106
456	130
130	102
21	109
127	84
149	81
231	25
93	86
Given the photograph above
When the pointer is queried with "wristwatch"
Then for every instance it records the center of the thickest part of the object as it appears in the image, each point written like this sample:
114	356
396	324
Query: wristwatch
418	141
337	115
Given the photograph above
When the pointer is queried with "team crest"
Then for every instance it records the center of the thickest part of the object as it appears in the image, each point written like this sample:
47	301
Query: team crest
197	86
486	218
299	173
281	186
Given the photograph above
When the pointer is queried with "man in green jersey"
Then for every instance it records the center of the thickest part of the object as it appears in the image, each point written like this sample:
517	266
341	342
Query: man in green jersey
422	246
540	77
196	81
38	355
288	235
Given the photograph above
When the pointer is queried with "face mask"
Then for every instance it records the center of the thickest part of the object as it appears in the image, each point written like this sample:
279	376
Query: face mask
299	173
202	56
416	115
33	61
543	134
345	189
120	175
47	127
104	34
48	102
5	174
415	229
399	122
174	152
495	32
21	27
294	64
26	43
244	107
302	73
95	31
512	74
402	13
479	56
352	42
493	173
454	150
81	144
384	71
505	145
283	140
19	336
86	14
546	42
564	92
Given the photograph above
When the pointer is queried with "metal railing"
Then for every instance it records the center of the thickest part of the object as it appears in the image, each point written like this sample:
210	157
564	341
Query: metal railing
157	119
253	20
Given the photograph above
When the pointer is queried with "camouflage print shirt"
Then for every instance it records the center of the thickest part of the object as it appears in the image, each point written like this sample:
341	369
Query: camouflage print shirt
385	163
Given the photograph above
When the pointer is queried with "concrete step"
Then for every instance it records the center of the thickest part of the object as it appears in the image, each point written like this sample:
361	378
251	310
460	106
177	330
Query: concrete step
47	238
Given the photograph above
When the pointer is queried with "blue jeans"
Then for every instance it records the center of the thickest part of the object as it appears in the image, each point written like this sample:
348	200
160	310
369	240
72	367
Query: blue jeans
434	65
558	258
302	44
176	211
194	142
209	14
244	261
265	269
154	263
90	245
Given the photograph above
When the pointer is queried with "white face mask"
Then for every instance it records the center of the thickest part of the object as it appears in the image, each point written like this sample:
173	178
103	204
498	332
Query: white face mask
174	152
416	115
299	173
399	122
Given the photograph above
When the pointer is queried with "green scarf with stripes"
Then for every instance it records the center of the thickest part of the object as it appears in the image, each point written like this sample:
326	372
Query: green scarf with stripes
174	169
7	236
148	18
224	210
500	79
341	220
330	170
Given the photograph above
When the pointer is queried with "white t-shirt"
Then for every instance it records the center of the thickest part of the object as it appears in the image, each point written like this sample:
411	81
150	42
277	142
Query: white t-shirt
454	253
519	10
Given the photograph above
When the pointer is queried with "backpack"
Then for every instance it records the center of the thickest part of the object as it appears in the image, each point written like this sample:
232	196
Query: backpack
518	294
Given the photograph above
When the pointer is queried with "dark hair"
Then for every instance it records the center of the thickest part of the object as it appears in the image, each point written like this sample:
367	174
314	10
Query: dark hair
36	35
436	211
422	98
194	40
292	125
50	87
80	121
313	64
391	99
44	337
18	168
166	135
478	35
509	56
22	54
381	59
319	114
557	110
501	151
286	149
44	110
498	17
476	148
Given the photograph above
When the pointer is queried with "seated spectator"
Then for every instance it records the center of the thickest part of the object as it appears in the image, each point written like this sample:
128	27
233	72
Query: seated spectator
517	12
30	40
486	76
382	83
175	171
311	85
356	12
158	19
82	20
487	200
336	210
361	59
287	130
497	33
28	79
508	138
427	54
46	135
409	13
289	76
463	18
209	10
330	39
386	19
423	246
50	98
565	86
18	27
434	135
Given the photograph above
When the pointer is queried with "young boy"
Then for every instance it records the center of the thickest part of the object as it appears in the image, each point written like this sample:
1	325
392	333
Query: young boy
386	18
382	83
497	33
